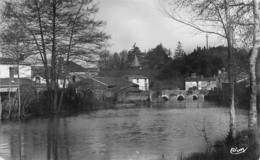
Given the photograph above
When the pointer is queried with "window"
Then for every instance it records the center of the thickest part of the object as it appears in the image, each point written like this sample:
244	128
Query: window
15	70
137	80
37	79
73	78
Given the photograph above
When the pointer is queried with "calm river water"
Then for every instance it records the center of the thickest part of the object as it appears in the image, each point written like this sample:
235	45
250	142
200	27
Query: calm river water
143	133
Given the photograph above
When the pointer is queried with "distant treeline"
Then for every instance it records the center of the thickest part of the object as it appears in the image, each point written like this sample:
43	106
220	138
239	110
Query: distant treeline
161	66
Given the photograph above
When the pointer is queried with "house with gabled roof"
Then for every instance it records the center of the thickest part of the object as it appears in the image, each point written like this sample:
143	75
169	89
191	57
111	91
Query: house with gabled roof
200	82
9	70
75	73
140	80
107	87
9	67
11	84
38	76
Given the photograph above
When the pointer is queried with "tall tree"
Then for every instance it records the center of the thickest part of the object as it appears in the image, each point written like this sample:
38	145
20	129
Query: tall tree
14	44
252	123
104	59
157	56
116	61
58	29
123	57
179	52
212	17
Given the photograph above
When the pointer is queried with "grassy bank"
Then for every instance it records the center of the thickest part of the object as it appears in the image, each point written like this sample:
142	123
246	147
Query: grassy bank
222	150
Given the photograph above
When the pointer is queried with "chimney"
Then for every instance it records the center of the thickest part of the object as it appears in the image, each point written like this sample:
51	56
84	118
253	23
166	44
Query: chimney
11	74
193	75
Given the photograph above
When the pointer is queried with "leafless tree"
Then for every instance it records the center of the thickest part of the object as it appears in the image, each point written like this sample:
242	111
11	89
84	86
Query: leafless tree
56	29
212	17
233	21
14	45
252	122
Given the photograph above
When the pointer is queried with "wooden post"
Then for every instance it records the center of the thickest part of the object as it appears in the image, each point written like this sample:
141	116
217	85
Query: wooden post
1	108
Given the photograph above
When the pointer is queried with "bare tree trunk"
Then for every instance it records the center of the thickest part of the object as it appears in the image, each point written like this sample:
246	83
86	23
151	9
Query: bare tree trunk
44	58
252	122
1	108
229	34
62	93
18	88
54	56
67	60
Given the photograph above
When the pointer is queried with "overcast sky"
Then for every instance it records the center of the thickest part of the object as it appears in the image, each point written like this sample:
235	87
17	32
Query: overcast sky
142	22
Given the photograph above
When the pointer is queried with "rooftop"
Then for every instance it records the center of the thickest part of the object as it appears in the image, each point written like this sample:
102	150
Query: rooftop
72	67
40	71
6	81
192	79
110	81
135	77
5	60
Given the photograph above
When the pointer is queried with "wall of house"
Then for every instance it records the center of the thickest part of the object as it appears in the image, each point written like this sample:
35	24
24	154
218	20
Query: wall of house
190	85
143	84
60	83
43	81
208	85
39	79
212	84
25	71
202	85
76	76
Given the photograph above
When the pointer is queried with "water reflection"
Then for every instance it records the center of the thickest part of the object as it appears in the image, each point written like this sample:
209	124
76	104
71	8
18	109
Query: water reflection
189	104
137	133
57	140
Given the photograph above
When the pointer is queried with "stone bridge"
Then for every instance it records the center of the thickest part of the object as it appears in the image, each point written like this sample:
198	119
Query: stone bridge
182	94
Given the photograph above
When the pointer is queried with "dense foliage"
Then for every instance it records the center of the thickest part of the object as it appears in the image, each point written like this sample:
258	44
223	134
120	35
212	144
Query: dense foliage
203	62
172	71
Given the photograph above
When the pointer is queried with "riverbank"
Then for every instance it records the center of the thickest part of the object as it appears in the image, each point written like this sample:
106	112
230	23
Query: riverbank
238	149
242	98
39	108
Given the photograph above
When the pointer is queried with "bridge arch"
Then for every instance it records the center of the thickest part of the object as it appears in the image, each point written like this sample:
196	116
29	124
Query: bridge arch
195	96
180	97
165	97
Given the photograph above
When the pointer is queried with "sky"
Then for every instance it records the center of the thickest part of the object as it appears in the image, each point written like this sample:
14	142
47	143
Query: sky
142	22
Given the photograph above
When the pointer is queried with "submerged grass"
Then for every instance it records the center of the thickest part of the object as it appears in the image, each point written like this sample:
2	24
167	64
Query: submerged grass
221	150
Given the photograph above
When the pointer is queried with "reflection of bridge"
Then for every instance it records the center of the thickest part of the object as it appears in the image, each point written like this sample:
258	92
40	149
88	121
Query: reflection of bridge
182	94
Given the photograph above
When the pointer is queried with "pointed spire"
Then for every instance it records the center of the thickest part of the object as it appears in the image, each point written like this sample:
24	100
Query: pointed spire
135	63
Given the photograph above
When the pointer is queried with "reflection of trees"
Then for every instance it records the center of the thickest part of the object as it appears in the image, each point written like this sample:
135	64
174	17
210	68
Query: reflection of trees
66	139
57	140
28	140
16	142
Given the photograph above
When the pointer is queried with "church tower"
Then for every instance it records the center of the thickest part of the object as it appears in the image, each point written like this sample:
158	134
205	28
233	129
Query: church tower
135	64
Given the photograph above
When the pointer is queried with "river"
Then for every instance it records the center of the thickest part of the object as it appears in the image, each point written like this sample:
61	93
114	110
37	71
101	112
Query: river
142	133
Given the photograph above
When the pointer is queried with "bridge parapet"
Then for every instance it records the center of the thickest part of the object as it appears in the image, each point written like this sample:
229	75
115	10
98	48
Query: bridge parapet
185	94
